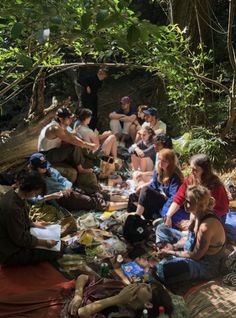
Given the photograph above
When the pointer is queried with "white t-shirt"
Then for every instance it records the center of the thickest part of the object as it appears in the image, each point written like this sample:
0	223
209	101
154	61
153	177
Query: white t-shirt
159	125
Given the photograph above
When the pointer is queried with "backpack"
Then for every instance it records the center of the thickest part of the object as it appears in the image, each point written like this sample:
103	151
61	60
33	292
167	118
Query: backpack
135	229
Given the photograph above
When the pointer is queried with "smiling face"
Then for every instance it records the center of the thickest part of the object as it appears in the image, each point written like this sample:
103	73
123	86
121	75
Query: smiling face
144	135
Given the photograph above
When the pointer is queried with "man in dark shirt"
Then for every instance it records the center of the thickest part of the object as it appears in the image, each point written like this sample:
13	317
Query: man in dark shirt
91	85
121	120
17	245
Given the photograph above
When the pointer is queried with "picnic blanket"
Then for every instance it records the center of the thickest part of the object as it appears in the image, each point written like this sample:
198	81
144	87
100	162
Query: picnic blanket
211	301
32	291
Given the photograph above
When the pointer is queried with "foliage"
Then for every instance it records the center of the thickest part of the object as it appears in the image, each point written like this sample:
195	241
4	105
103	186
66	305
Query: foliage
202	140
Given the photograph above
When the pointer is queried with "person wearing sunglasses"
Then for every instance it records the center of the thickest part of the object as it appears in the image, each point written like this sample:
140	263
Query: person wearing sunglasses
196	256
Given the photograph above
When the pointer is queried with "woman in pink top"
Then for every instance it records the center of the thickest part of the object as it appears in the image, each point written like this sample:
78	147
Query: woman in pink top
201	174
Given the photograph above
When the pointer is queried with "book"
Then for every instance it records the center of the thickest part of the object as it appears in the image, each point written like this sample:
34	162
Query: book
50	232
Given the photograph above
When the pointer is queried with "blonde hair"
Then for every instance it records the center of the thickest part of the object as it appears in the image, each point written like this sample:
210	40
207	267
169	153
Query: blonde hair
170	156
200	196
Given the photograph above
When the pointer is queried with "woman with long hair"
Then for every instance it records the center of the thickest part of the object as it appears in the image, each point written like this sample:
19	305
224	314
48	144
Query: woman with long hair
200	256
155	199
202	174
143	153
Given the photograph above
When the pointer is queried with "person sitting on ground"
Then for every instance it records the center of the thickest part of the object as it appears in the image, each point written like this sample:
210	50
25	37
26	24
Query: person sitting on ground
201	174
121	120
143	153
136	125
17	245
60	189
106	140
59	145
151	120
95	296
155	199
200	256
160	141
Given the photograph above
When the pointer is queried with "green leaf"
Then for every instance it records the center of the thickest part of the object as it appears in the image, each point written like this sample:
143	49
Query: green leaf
16	30
56	19
108	22
99	44
102	15
86	20
25	60
133	34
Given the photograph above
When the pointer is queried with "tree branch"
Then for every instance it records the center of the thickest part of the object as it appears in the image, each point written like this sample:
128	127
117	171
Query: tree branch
213	82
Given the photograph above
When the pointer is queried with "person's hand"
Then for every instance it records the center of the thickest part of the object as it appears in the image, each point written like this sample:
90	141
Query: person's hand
50	243
127	294
168	247
164	252
41	224
91	146
56	195
74	305
88	90
168	221
67	192
139	152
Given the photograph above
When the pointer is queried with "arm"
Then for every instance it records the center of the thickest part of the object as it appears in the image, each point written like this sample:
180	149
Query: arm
124	297
130	118
75	303
201	246
173	188
64	135
115	115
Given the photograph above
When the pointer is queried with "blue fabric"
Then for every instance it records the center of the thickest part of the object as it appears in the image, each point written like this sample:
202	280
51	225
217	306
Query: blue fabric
174	269
230	225
169	191
55	183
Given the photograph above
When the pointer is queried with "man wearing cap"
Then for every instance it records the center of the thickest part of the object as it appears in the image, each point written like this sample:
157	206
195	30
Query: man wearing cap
152	121
59	145
121	120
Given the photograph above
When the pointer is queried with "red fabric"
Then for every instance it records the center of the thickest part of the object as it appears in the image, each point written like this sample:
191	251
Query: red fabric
218	193
32	291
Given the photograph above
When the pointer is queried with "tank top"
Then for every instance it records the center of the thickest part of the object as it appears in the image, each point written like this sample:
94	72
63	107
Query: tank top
45	144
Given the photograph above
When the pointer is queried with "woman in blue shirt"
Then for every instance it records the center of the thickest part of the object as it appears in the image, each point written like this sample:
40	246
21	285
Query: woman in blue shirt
155	199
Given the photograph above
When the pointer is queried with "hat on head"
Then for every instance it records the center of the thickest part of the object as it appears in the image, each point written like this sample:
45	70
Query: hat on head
163	139
64	112
125	100
150	111
38	160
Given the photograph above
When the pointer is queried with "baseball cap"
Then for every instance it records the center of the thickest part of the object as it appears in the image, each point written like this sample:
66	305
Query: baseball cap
38	160
64	112
125	99
163	139
150	111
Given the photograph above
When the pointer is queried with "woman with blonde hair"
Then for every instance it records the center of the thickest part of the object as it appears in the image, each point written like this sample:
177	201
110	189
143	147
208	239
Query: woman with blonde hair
199	255
155	199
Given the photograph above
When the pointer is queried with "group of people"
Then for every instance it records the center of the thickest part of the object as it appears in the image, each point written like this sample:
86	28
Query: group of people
198	203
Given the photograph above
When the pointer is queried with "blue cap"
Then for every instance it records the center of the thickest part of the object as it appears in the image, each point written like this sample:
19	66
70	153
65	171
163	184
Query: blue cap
150	111
38	160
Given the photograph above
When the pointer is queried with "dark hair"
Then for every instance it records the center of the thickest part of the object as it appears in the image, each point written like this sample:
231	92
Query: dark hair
163	139
84	113
151	133
160	297
208	178
28	181
63	112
